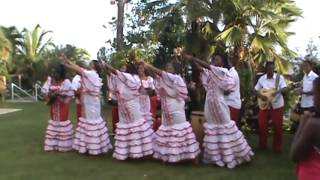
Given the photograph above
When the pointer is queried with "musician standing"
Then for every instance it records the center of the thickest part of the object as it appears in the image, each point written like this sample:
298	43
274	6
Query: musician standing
233	99
307	86
271	81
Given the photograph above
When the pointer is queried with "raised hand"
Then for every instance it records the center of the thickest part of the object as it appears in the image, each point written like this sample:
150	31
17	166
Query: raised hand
65	60
67	63
103	64
138	62
178	51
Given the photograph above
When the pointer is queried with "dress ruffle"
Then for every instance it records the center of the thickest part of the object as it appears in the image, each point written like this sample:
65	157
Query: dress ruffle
92	137
133	140
225	145
175	143
148	117
59	136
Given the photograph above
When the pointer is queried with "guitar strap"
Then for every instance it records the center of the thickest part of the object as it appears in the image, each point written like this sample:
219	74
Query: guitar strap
277	82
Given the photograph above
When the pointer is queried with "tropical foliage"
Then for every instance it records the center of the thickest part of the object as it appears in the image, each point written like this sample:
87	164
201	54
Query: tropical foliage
5	50
5	47
251	32
30	52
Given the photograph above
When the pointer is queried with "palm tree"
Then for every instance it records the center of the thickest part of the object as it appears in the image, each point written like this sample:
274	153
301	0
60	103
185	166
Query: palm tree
33	44
5	50
253	29
250	30
14	36
5	47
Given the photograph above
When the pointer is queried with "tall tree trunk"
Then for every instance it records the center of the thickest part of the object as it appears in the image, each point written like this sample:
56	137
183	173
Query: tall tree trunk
120	24
33	77
238	54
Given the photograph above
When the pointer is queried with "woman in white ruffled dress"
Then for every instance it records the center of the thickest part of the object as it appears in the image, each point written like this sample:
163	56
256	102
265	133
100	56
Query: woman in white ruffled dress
223	144
133	138
91	134
58	92
174	141
147	89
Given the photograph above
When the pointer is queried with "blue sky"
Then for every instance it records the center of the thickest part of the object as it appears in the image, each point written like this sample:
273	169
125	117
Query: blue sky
80	22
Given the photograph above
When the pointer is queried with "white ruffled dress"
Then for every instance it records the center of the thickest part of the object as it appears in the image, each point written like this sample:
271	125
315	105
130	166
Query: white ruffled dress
144	97
224	144
59	132
133	137
91	134
174	141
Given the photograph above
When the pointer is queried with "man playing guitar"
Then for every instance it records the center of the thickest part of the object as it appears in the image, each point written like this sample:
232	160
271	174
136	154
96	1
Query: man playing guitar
271	82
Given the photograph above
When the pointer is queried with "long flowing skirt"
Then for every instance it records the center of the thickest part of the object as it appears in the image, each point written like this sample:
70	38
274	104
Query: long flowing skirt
223	144
59	132
133	137
59	136
174	141
91	134
133	140
145	108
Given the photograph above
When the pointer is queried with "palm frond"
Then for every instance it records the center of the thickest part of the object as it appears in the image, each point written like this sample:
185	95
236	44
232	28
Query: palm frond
232	35
261	43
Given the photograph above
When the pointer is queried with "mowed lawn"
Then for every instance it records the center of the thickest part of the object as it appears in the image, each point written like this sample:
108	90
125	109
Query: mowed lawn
22	157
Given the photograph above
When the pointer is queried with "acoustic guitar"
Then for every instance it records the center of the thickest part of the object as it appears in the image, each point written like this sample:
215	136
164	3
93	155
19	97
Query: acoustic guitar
271	94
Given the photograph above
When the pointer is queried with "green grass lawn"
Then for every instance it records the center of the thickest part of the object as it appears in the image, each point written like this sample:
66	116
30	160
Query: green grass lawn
22	157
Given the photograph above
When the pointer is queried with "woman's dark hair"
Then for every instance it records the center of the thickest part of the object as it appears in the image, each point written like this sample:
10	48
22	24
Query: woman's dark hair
225	60
131	68
97	67
316	93
177	66
60	70
146	71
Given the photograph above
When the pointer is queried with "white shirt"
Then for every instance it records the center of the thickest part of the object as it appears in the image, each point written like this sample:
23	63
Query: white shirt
233	99
265	83
307	86
76	82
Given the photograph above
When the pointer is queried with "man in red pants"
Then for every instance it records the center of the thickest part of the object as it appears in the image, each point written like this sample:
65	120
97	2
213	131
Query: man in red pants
115	114
155	106
233	98
270	81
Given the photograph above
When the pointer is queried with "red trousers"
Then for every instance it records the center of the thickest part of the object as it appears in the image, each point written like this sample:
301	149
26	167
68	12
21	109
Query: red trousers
276	116
156	123
154	103
115	118
155	106
235	115
79	112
